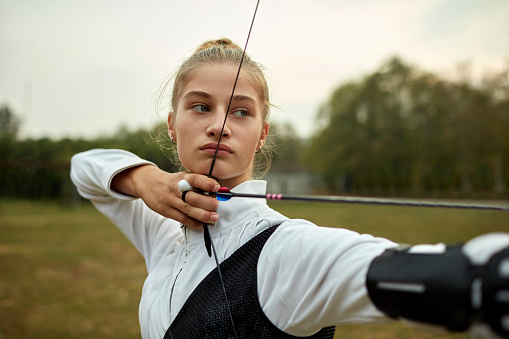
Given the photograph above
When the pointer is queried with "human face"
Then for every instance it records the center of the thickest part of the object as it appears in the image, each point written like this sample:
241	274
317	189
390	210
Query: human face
196	124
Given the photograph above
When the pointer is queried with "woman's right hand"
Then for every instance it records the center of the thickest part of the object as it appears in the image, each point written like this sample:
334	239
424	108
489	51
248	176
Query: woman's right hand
159	190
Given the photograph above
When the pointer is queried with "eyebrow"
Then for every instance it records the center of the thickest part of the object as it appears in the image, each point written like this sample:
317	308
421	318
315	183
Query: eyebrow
244	98
197	94
206	95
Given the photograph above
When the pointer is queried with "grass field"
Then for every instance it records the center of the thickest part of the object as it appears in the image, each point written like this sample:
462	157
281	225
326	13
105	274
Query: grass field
69	273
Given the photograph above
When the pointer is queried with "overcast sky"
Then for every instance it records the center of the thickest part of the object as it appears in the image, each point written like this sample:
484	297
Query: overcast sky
83	68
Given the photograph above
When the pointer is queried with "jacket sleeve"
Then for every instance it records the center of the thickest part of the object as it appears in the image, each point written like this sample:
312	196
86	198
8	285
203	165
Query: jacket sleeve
151	233
311	277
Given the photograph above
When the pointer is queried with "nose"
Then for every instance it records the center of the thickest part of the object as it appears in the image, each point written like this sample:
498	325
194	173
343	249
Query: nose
216	125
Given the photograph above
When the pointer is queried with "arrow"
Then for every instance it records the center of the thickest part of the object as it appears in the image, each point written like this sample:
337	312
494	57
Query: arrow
224	194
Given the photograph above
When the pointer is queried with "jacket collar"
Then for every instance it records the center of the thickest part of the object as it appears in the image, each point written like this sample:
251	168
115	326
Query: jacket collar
233	213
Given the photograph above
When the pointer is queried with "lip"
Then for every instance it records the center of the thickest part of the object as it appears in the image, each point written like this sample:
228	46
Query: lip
211	148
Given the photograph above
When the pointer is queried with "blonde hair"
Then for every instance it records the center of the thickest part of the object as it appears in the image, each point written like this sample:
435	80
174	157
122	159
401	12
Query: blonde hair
221	51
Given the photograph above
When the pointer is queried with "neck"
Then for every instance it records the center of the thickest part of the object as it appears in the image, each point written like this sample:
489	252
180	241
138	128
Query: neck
232	182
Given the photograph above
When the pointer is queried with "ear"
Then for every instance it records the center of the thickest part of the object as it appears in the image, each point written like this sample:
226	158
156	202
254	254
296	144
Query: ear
264	134
171	132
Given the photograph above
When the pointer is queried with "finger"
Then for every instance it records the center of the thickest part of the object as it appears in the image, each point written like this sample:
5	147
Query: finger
183	213
197	213
202	182
200	201
185	219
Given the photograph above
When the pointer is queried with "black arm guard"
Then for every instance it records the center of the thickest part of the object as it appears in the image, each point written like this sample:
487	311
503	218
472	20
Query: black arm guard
442	289
430	288
495	293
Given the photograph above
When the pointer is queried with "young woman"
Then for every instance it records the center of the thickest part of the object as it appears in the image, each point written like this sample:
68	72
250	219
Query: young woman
283	278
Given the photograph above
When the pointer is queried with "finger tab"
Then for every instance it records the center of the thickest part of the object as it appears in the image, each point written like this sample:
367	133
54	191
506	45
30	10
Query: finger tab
184	186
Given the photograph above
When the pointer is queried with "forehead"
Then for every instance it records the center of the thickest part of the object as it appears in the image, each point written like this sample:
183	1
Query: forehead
217	80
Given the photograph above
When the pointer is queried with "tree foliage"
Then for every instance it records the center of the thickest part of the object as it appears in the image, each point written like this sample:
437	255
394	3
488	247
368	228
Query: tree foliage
398	131
39	168
286	147
9	123
402	131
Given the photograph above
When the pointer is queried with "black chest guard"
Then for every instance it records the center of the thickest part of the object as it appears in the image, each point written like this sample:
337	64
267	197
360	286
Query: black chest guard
205	314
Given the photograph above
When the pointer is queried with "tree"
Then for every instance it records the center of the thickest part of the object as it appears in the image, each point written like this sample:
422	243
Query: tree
9	123
9	127
402	131
286	146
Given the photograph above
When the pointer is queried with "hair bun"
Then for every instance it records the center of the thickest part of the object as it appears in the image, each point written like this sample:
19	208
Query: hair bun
222	43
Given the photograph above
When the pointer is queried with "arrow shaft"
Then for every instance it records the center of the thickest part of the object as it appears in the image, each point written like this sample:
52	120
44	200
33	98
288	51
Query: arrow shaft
361	200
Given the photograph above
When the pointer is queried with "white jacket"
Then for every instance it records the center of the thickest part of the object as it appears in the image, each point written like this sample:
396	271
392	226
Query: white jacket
309	277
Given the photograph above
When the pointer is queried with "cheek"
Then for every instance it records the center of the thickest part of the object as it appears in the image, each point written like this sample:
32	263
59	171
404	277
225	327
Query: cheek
185	137
256	132
183	126
182	130
250	140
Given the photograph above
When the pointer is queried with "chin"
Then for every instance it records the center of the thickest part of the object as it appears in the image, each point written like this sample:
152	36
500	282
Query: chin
199	167
223	172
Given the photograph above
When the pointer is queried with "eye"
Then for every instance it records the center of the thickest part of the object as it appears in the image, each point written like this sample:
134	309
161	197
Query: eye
241	113
201	108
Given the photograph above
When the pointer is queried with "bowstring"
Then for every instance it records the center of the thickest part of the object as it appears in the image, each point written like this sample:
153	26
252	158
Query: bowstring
233	91
205	226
